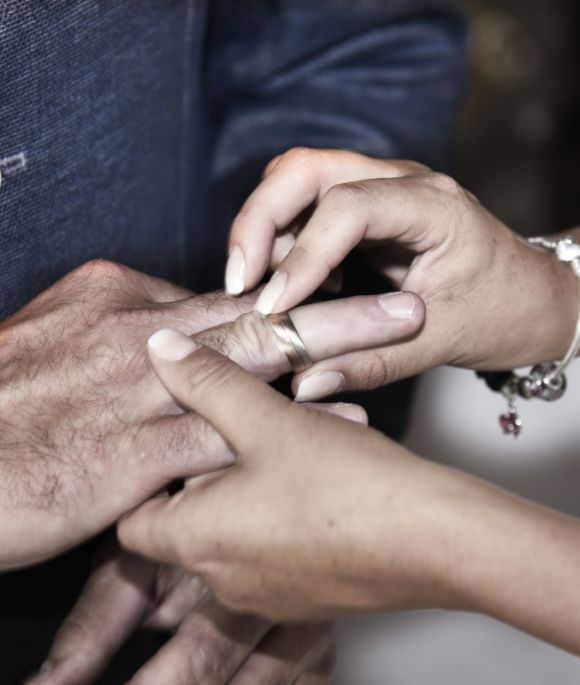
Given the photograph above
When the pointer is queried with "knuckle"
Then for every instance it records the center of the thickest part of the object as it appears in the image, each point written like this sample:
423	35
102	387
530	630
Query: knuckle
272	164
299	155
100	269
444	183
410	166
208	661
375	371
252	346
348	194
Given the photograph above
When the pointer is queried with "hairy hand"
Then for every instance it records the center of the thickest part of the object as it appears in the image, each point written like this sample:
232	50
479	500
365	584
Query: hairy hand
87	430
318	516
208	645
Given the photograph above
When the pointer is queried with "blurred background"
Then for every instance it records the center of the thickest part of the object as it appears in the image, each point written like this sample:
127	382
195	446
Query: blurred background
519	152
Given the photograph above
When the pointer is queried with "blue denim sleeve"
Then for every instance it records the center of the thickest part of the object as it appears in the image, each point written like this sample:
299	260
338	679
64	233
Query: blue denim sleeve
383	77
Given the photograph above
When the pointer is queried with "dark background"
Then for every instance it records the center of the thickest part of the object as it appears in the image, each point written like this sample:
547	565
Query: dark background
519	144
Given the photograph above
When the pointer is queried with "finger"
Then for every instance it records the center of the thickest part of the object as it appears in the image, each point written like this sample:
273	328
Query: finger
371	369
234	401
411	210
208	648
351	412
286	654
322	672
327	329
296	180
169	448
194	314
111	606
280	249
282	246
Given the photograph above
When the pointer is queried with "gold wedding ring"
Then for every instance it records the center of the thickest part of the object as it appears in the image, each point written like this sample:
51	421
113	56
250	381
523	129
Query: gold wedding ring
289	341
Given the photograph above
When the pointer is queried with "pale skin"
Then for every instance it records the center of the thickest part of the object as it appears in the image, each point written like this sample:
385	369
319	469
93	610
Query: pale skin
493	301
88	433
372	527
346	529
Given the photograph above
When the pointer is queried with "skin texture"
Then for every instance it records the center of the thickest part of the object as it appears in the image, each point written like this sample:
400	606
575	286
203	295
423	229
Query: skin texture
209	645
89	432
485	289
267	540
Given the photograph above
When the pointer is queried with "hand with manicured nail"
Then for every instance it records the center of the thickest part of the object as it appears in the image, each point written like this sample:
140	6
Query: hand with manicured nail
122	591
321	516
485	289
86	416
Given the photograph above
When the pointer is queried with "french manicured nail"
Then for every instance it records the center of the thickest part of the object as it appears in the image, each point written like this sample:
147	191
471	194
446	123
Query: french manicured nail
235	271
171	345
271	294
398	305
319	385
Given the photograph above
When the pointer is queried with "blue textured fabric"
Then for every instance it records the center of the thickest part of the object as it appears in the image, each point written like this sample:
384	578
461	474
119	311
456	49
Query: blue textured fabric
143	122
132	130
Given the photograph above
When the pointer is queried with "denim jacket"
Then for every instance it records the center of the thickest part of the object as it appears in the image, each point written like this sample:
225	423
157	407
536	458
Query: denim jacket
132	130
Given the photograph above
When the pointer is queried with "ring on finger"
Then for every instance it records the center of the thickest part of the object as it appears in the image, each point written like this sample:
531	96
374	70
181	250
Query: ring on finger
289	341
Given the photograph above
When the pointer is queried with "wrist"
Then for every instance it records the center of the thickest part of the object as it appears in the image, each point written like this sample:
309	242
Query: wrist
511	559
420	540
545	303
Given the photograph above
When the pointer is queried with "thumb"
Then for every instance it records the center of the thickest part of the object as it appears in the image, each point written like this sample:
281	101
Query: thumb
234	401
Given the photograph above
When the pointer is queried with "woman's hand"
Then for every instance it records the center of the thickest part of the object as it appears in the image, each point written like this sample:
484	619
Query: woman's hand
321	516
285	533
493	301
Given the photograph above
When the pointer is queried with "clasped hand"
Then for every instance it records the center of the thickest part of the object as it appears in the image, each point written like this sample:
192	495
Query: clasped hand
89	433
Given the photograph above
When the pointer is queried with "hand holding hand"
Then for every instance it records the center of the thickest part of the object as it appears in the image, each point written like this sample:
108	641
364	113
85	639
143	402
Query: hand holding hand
285	531
88	432
493	301
321	516
208	645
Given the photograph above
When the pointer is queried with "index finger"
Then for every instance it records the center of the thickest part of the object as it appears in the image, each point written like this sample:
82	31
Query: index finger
298	178
234	401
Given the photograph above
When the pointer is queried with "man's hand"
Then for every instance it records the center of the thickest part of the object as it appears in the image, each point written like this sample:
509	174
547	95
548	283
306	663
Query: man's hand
88	432
209	645
493	301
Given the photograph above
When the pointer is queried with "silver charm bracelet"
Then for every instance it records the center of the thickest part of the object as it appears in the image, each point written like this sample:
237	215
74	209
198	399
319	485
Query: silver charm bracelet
545	381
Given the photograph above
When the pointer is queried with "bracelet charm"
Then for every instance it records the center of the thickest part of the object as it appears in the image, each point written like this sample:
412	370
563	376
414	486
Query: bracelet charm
545	381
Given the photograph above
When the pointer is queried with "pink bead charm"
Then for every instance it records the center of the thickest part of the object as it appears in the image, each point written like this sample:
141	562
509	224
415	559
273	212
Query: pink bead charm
511	423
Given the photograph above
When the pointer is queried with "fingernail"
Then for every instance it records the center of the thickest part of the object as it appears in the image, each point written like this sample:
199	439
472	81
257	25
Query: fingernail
398	305
271	294
171	345
319	385
352	412
235	271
